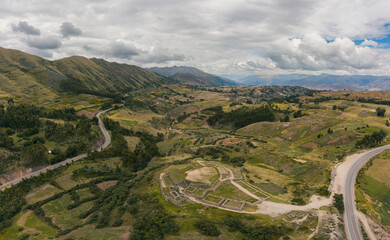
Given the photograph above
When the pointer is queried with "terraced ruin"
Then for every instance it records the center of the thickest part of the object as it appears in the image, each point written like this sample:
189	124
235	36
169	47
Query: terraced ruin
210	184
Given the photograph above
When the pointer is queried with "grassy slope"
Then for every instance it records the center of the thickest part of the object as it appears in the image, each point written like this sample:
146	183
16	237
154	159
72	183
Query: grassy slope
29	76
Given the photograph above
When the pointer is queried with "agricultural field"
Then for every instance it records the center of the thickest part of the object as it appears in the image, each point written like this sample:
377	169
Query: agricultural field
185	159
373	189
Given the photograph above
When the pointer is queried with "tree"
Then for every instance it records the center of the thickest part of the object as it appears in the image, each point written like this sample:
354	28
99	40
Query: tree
334	107
35	154
380	112
339	202
10	101
298	114
5	141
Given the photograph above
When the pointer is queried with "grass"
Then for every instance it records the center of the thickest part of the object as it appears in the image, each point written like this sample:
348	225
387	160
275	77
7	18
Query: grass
41	193
233	204
57	206
34	222
379	195
132	142
213	199
89	232
271	188
380	171
63	217
228	190
69	218
84	193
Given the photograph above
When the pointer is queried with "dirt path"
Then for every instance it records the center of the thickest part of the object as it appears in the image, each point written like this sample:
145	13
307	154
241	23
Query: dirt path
363	219
320	216
275	209
245	190
161	180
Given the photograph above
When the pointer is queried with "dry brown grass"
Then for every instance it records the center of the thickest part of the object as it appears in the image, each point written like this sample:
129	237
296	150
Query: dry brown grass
105	185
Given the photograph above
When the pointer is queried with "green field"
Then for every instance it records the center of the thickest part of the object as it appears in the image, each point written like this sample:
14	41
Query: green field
116	193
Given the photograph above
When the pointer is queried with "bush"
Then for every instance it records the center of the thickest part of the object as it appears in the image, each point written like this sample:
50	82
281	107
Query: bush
339	202
207	228
234	224
380	112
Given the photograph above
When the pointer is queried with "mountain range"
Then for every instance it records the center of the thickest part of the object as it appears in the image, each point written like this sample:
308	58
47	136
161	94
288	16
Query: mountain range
192	76
322	82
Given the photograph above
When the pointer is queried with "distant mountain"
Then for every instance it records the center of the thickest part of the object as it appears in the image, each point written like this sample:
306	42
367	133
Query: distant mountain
26	74
192	76
323	81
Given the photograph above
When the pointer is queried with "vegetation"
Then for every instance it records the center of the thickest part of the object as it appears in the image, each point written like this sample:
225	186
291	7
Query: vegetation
207	228
371	140
339	202
243	116
380	112
281	147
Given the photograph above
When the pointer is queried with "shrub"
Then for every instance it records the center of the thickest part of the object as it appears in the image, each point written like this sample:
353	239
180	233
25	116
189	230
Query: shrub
207	228
339	202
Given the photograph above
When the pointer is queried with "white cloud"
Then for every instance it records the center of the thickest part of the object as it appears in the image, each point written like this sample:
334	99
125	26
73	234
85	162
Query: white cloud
313	52
369	43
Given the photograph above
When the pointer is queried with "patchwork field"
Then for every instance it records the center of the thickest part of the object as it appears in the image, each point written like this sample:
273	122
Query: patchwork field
210	165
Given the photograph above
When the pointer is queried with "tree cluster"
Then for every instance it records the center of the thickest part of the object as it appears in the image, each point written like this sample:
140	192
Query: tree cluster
380	112
372	140
20	117
243	116
255	232
339	202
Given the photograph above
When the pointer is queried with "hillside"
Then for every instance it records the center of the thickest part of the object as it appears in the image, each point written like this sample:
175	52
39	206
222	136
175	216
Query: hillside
100	75
193	76
323	81
184	160
28	75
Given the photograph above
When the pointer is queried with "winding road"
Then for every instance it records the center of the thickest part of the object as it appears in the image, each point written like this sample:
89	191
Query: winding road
352	224
107	141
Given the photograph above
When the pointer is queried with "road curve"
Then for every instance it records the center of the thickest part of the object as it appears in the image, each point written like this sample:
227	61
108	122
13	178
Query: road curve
352	224
107	142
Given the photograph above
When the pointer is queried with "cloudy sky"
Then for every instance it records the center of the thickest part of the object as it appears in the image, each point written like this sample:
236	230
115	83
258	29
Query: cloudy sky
218	36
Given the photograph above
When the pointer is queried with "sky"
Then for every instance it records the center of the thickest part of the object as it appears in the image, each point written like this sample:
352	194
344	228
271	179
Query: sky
241	37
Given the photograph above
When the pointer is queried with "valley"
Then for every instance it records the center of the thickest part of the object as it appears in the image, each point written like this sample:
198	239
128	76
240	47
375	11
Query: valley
209	158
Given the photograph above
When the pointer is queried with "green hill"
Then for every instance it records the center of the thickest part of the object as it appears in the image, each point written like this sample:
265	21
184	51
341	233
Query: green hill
25	74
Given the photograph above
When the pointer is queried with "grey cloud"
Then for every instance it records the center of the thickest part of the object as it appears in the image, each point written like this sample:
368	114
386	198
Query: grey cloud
116	49
25	28
162	58
68	30
122	50
44	43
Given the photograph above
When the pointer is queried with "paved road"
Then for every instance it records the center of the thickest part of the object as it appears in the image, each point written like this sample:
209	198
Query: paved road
107	141
352	224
